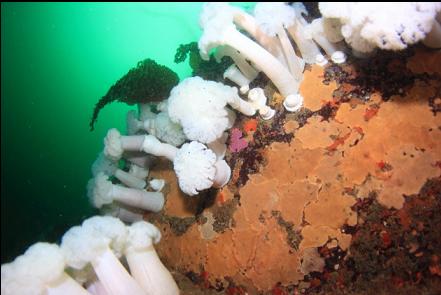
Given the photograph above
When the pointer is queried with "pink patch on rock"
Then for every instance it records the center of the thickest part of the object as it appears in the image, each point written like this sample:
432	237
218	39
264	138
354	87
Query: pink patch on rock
237	143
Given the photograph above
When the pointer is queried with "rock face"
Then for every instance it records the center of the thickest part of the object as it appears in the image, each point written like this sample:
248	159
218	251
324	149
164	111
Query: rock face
299	178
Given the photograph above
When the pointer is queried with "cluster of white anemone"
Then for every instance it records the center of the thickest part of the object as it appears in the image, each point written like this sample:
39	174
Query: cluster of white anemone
260	41
189	130
134	194
90	260
366	26
267	47
202	111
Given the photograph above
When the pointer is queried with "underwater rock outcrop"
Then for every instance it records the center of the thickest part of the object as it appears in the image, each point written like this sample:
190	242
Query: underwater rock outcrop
326	180
293	204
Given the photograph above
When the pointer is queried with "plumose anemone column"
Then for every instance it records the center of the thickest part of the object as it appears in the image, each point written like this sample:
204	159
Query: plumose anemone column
102	191
144	263
279	75
221	31
115	144
197	167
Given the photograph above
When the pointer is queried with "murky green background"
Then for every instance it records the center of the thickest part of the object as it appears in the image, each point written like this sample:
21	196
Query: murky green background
57	60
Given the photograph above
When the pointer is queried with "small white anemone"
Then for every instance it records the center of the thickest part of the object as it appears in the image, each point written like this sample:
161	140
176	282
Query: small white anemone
109	167
166	130
317	31
144	263
257	97
234	74
200	107
158	125
101	191
115	144
196	166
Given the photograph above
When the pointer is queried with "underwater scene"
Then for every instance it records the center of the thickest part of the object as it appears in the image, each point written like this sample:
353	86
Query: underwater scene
221	148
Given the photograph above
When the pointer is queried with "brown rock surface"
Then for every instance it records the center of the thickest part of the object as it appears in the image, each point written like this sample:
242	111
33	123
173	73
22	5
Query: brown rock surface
304	192
315	93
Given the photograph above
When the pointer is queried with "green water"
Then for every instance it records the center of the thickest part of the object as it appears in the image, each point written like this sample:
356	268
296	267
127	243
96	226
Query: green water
57	60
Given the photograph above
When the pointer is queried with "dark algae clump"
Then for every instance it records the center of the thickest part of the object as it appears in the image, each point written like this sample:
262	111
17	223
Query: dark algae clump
293	237
147	82
206	69
223	215
385	73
